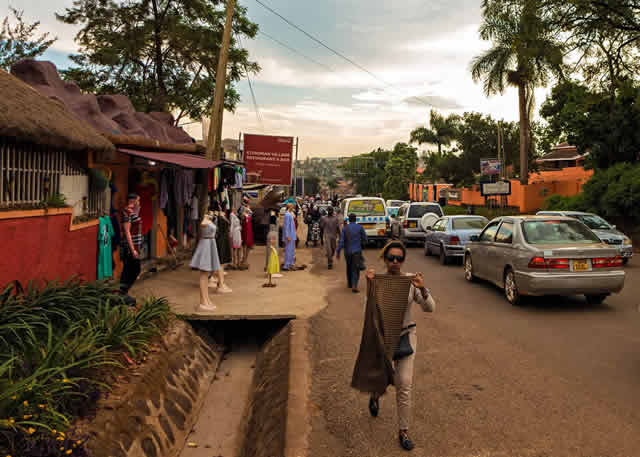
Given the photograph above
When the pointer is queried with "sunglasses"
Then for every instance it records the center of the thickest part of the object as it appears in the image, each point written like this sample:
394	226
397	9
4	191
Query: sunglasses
392	258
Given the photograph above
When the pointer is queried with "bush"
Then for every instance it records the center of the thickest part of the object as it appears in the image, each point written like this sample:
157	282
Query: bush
489	213
56	345
564	203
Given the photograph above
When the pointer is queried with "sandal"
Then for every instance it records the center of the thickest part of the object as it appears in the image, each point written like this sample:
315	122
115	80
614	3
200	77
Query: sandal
405	441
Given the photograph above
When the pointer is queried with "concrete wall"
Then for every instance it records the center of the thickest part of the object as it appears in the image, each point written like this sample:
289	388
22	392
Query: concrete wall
44	246
75	188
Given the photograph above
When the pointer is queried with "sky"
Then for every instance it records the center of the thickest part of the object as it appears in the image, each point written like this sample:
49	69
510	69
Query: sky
422	49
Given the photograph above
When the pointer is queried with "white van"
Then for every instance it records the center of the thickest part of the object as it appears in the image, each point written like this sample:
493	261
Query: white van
371	213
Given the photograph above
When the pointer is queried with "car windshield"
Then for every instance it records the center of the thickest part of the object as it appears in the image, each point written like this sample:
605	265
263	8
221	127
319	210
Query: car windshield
417	211
592	221
395	203
367	207
557	232
469	223
392	211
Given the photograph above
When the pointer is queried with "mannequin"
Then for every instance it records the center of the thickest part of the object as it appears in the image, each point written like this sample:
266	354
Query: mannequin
236	239
218	281
247	233
206	260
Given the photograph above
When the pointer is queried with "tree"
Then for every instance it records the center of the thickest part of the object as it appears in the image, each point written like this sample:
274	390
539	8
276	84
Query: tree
442	131
19	41
400	170
311	185
367	171
525	53
162	54
590	120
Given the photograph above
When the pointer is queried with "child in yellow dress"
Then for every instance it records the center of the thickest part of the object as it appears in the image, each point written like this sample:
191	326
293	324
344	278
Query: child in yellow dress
273	261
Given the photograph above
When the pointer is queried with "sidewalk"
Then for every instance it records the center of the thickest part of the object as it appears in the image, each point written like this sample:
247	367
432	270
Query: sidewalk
297	295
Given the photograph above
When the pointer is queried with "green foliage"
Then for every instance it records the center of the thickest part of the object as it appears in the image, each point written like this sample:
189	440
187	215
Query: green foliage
367	171
311	185
56	200
441	132
19	41
594	122
564	203
162	54
400	170
489	213
57	343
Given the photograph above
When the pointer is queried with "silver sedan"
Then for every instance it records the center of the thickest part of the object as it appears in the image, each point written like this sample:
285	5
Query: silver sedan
544	255
449	235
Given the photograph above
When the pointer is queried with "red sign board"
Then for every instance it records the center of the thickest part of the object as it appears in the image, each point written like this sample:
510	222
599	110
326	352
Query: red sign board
269	157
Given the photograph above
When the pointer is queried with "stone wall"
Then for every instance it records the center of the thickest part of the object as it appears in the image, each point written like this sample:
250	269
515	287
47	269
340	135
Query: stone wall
265	429
151	415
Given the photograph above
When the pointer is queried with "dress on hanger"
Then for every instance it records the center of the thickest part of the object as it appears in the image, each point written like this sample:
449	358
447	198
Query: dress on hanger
273	266
223	241
206	256
236	232
247	229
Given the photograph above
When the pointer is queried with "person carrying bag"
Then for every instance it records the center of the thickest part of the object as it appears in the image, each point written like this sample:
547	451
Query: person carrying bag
352	239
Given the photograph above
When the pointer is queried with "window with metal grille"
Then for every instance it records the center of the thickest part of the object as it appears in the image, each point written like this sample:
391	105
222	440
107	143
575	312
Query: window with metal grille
29	174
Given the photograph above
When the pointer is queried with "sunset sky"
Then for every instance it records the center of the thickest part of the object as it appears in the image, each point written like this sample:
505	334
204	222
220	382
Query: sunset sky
422	48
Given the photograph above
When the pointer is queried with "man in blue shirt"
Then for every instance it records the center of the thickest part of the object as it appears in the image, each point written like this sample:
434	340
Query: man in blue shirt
352	239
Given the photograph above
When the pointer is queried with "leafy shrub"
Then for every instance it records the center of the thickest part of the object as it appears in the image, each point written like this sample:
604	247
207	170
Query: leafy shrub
56	343
564	203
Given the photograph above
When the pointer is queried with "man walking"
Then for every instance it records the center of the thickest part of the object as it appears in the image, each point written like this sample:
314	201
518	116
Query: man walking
131	242
330	226
352	239
289	238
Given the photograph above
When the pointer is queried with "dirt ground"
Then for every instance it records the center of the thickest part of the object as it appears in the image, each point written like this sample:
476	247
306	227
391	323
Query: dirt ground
556	377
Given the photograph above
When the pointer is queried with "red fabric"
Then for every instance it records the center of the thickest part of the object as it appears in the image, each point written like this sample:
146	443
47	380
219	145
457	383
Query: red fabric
146	194
247	231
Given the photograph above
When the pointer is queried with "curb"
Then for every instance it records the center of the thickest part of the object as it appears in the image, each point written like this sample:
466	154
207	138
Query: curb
298	426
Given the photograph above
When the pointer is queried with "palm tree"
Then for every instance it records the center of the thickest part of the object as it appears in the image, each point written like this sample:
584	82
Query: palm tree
525	53
442	131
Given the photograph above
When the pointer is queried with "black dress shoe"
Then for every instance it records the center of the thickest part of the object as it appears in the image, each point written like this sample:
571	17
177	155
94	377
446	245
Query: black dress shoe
374	407
405	441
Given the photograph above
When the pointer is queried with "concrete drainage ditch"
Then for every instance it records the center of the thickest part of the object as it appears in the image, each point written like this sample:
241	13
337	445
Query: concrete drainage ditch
193	399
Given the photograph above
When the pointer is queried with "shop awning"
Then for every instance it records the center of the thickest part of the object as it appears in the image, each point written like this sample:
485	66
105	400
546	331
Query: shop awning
184	160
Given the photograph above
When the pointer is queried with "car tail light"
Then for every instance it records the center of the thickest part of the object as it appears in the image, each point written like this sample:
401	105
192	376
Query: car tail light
405	223
558	264
553	264
454	241
607	262
538	262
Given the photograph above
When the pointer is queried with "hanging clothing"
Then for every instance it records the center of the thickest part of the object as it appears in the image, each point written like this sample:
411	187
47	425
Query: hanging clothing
105	235
236	232
247	228
206	256
193	215
223	240
238	178
165	177
146	193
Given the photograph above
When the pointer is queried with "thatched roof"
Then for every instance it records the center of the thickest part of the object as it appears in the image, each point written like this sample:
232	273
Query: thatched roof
28	116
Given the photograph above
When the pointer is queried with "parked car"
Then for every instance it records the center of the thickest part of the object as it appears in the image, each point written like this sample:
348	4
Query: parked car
605	231
395	203
371	213
450	234
544	255
406	225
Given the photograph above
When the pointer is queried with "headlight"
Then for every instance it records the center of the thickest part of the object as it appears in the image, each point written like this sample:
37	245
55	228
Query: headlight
627	241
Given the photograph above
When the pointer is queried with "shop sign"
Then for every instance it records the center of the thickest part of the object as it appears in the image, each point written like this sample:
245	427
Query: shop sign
495	188
269	157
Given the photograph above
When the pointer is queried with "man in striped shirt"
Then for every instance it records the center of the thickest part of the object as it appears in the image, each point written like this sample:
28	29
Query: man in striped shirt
131	242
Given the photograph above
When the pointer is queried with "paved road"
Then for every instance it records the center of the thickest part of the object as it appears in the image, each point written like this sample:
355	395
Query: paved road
556	377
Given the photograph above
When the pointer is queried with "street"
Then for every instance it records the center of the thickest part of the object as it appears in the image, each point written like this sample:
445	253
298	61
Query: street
555	377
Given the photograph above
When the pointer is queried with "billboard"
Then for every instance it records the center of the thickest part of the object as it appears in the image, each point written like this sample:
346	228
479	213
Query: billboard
495	188
269	157
490	167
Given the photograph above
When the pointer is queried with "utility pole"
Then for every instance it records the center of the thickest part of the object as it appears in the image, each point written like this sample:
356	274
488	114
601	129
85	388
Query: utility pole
217	110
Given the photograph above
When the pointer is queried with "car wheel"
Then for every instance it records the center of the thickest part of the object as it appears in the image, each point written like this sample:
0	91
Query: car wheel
468	268
595	299
427	250
443	256
511	289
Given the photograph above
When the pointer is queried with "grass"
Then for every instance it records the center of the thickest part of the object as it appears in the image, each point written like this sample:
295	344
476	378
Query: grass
57	343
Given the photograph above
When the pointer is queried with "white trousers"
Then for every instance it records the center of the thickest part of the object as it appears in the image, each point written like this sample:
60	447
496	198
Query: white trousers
403	381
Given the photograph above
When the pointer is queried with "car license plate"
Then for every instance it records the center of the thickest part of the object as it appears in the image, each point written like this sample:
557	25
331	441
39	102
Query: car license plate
413	224
581	265
368	226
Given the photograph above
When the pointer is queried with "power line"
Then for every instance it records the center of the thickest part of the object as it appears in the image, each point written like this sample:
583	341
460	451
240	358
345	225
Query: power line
256	108
296	51
339	54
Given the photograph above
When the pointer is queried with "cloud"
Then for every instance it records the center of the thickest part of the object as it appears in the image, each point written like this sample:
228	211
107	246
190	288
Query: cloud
438	102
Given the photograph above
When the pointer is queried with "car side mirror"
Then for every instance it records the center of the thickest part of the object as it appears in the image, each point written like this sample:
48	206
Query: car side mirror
474	237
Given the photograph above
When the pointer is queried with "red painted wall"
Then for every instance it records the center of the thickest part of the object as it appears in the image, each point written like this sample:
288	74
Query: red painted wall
43	248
